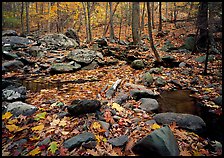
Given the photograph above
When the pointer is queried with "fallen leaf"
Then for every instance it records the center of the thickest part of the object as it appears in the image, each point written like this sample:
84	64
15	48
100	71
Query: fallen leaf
53	147
38	128
63	151
185	152
117	107
55	122
96	125
155	126
12	128
92	152
34	152
40	116
34	138
62	123
64	133
13	121
7	115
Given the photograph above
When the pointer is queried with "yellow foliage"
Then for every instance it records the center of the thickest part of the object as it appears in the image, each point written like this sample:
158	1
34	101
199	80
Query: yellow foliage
7	115
117	107
38	128
155	126
34	152
12	127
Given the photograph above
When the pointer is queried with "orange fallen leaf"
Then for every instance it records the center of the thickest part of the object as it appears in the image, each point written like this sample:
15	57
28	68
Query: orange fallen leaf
7	115
34	152
38	128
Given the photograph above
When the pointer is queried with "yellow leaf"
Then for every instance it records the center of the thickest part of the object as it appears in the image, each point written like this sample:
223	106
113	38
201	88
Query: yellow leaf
155	126
64	133
117	107
12	127
13	121
55	122
38	128
35	138
7	115
63	123
34	152
96	125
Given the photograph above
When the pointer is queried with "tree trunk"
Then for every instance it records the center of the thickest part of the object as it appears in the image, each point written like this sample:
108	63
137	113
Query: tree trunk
59	16
160	17
167	12
89	37
121	18
175	14
105	20
142	20
49	20
190	10
111	23
27	18
158	59
135	23
153	24
86	21
21	15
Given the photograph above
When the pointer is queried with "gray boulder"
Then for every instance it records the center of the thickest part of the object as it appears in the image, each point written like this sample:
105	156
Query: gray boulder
91	66
186	121
202	59
58	41
13	94
138	64
138	94
218	100
83	106
160	81
119	141
36	51
16	41
9	56
18	107
64	67
148	104
9	33
155	70
77	140
160	142
12	65
121	98
71	33
147	79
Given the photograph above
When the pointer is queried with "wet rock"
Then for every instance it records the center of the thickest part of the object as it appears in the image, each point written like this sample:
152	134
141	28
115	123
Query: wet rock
147	79
18	107
148	104
187	121
71	33
9	56
218	100
119	141
12	65
77	140
83	106
105	125
45	141
138	94
138	64
16	41
58	41
121	98
160	81
9	33
160	142
64	67
90	144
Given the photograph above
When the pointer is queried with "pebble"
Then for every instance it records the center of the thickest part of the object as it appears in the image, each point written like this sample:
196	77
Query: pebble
116	117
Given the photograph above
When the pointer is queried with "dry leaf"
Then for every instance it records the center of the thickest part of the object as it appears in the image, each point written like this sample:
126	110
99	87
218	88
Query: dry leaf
13	121
38	128
34	152
155	126
185	153
96	125
92	152
12	128
117	107
55	122
7	115
62	123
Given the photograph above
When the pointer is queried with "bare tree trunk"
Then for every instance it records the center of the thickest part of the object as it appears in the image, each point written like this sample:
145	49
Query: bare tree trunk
111	23
129	15
86	21
121	18
58	16
160	17
38	24
175	14
21	15
105	20
153	23
150	34
142	20
27	18
167	11
89	37
49	20
135	22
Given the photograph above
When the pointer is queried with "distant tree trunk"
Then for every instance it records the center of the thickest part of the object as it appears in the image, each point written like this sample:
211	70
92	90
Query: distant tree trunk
153	24
86	21
49	20
160	17
135	22
105	20
89	35
27	18
190	10
111	23
21	15
121	18
129	15
167	11
158	59
142	20
175	14
38	24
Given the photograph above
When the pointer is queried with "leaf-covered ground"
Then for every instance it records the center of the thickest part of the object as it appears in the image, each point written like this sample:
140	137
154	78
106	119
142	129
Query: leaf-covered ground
46	122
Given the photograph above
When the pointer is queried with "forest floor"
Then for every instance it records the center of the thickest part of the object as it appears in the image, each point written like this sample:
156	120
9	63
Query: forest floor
60	129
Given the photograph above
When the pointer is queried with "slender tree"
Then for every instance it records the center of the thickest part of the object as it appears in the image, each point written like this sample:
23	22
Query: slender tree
160	17
111	23
21	16
135	22
158	59
105	20
153	23
89	37
27	18
142	20
49	20
121	19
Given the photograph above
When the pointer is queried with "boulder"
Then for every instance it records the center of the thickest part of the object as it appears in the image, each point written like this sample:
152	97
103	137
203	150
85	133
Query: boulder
146	93
186	121
91	66
102	42
202	59
218	100
89	144
71	33
13	93
155	70
138	64
167	46
105	125
82	56
189	43
182	64
121	98
160	142
12	65
77	140
147	79
83	106
160	81
18	107
119	141
64	67
36	51
58	41
16	41
148	104
9	56
9	33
